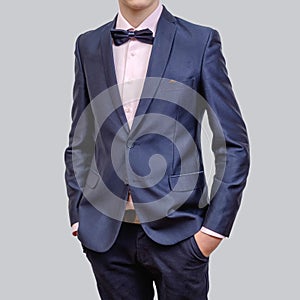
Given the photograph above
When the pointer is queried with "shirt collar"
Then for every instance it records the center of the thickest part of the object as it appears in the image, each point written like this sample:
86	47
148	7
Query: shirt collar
150	22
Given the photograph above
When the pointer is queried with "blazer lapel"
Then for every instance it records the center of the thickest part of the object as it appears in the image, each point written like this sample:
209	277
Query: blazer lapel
162	46
110	74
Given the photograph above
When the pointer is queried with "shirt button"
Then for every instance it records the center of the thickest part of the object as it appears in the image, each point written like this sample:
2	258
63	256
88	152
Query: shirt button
132	54
127	110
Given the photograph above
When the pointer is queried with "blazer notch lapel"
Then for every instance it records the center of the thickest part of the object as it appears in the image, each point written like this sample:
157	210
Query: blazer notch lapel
110	73
162	47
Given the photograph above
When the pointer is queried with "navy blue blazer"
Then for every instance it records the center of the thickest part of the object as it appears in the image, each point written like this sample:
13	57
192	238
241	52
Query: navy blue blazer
159	160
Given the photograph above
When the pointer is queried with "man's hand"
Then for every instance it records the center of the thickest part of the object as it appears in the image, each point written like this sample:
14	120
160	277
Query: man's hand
207	243
75	229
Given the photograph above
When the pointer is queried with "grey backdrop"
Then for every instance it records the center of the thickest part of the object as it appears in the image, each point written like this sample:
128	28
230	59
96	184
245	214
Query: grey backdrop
39	257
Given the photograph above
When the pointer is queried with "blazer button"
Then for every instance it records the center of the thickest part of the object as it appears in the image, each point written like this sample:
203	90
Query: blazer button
130	144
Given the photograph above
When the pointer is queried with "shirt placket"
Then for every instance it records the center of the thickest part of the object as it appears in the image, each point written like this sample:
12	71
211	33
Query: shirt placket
132	87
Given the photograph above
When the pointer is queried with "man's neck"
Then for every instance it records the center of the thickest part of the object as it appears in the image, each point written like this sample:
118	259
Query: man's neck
136	16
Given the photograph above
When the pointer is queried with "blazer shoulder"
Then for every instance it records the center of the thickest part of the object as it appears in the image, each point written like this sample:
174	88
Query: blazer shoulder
93	36
196	30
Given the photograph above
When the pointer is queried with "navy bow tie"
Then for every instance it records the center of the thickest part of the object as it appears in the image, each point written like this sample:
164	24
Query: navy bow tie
122	36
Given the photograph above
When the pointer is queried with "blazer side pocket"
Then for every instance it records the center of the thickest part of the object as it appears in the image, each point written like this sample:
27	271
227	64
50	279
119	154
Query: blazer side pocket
92	179
186	182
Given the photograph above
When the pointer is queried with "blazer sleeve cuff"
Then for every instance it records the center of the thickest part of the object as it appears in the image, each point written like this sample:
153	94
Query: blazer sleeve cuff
74	228
212	233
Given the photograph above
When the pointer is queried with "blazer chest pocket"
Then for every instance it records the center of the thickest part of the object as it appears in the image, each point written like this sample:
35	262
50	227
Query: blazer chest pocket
186	182
178	84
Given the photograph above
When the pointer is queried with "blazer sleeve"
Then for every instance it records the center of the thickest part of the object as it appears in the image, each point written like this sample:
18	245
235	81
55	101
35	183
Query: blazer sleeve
230	142
78	154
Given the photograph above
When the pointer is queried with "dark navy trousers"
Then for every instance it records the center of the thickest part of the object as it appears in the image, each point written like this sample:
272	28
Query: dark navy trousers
128	269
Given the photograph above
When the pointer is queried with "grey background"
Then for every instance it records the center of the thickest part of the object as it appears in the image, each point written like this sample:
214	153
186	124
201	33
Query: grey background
39	257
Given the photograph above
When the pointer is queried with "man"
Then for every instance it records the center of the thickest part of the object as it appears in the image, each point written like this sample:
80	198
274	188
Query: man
134	170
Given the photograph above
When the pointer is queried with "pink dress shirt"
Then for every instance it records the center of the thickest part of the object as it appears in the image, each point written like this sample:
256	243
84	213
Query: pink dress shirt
131	63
